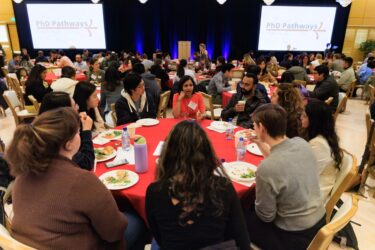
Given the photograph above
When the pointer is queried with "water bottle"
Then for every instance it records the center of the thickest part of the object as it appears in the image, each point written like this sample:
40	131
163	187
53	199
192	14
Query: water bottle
140	155
240	150
125	138
229	132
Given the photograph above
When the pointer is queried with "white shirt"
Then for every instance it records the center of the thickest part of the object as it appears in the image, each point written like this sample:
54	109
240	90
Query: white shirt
188	72
64	84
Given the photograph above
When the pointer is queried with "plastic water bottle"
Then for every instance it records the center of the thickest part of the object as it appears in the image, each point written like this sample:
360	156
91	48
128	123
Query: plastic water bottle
229	132
125	138
240	150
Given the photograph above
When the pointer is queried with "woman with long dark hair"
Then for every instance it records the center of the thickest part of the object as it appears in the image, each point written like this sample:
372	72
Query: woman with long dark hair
193	204
182	70
95	75
87	99
265	76
318	122
35	84
188	102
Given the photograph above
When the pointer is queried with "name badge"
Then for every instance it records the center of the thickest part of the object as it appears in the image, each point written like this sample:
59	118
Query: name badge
93	76
192	105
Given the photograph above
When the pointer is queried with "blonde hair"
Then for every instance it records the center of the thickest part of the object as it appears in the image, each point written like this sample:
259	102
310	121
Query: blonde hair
35	145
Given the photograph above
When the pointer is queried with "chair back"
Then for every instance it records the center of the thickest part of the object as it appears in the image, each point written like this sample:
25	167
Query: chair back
329	100
348	170
340	107
2	146
14	84
238	73
371	93
9	243
113	114
163	104
208	105
34	102
325	235
369	122
5	70
350	90
158	81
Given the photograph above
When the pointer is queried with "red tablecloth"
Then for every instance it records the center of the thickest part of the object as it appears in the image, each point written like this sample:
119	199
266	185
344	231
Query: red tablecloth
225	96
137	194
50	77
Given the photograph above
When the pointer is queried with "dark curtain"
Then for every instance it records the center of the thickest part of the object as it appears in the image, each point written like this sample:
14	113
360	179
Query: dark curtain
230	29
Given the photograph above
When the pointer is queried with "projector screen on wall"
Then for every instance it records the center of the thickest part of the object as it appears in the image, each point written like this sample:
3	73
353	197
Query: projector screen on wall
67	26
289	28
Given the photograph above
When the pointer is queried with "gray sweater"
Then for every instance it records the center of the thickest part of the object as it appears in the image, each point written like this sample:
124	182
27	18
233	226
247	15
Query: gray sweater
218	84
287	191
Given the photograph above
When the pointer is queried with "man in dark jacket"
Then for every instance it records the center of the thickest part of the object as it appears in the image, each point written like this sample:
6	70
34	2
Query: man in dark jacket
151	84
326	86
244	103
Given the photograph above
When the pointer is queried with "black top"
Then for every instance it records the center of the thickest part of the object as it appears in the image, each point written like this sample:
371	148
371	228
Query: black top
325	89
36	89
85	157
206	230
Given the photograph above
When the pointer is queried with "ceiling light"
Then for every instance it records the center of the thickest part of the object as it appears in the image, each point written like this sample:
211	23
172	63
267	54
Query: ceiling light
143	1
268	2
95	1
18	1
221	1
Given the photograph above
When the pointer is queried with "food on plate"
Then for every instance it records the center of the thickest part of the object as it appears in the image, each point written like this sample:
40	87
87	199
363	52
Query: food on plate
121	178
112	134
101	153
249	174
241	172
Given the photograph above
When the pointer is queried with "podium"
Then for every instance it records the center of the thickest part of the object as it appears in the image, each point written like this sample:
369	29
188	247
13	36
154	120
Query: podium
184	48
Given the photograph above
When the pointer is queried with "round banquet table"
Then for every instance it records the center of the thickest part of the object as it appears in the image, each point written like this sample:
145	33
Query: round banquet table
137	194
50	77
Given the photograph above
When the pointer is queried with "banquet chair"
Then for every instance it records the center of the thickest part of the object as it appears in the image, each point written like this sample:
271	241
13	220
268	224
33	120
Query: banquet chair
5	70
7	242
329	100
238	73
34	102
325	235
341	107
371	94
18	111
113	114
158	81
163	104
15	85
350	90
348	171
213	112
2	146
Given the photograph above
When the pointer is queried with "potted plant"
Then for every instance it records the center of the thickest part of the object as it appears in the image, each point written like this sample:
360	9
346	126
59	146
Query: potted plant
367	47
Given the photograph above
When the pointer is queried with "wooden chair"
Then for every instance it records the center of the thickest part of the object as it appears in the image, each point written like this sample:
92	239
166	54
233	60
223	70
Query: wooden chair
15	85
163	104
341	107
350	90
34	102
5	70
19	113
9	243
348	171
113	114
2	146
213	112
325	235
371	94
238	73
158	81
329	100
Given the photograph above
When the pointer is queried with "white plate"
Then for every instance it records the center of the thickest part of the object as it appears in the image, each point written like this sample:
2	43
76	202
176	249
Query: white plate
132	176
254	149
220	125
110	131
107	157
148	122
236	168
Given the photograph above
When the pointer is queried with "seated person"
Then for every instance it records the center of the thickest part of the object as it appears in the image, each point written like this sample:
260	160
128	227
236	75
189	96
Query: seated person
110	91
85	156
79	64
288	208
366	72
298	71
219	83
288	97
348	75
36	85
243	103
86	97
41	58
318	122
64	60
326	86
14	64
187	102
95	75
134	103
183	70
73	207
160	73
265	76
67	83
255	69
189	206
